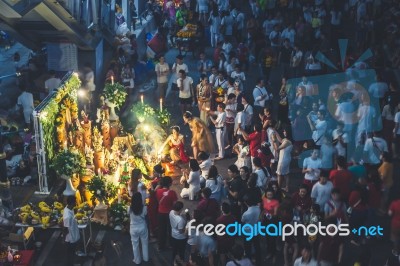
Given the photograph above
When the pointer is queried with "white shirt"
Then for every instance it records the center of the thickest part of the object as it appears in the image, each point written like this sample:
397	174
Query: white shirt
320	129
205	167
258	94
373	150
314	165
186	83
70	223
138	220
178	67
26	101
163	70
340	149
192	238
321	193
178	223
387	114
397	120
52	83
240	119
288	34
299	262
220	121
378	89
262	178
248	112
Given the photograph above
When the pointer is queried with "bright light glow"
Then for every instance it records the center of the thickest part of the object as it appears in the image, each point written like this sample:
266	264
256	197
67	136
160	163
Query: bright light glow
81	93
146	128
76	74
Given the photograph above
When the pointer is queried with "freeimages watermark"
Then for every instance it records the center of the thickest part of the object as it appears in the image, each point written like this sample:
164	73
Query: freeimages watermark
281	230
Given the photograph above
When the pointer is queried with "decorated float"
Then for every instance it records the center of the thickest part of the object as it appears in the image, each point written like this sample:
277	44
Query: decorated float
95	158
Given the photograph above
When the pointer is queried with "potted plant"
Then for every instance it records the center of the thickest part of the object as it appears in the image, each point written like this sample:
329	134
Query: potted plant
66	164
115	94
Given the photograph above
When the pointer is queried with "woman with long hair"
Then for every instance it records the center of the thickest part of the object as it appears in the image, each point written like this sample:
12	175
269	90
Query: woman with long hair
138	229
285	157
158	172
135	185
214	182
176	144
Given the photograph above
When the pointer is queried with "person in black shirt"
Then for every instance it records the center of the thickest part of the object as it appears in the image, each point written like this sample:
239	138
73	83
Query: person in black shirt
285	56
234	186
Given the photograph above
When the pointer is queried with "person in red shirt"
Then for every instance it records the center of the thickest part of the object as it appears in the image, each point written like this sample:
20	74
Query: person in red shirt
302	201
341	177
166	199
152	208
208	206
394	212
359	212
224	242
269	213
330	250
254	140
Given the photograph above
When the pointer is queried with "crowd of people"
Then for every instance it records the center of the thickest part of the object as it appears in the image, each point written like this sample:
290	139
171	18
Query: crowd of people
343	138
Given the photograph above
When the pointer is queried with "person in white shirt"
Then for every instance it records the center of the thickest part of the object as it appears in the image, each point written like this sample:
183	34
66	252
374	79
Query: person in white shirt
248	113
162	72
214	75
295	61
240	120
263	176
378	88
220	81
138	229
176	67
311	168
193	179
226	47
366	115
268	25
306	258
321	191
373	149
289	33
25	100
219	123
260	96
186	93
340	139
307	85
275	38
178	236
71	231
238	75
230	110
319	127
52	83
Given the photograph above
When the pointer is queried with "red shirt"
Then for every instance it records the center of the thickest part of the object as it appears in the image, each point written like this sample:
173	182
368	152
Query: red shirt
395	209
303	202
166	198
270	206
341	179
255	143
209	207
374	196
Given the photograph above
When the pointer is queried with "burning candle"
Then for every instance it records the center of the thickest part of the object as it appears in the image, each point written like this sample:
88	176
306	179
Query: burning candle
141	98
65	145
161	104
112	80
119	195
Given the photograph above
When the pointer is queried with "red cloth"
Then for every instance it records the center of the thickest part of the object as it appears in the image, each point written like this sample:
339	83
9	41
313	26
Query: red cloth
255	143
341	179
395	209
354	197
209	207
270	206
304	202
152	212
26	258
166	199
182	154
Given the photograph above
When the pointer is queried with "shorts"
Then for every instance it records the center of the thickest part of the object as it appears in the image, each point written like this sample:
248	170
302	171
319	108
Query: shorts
185	100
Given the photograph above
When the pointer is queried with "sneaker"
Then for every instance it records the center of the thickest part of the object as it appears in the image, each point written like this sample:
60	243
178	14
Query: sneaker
227	147
218	158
